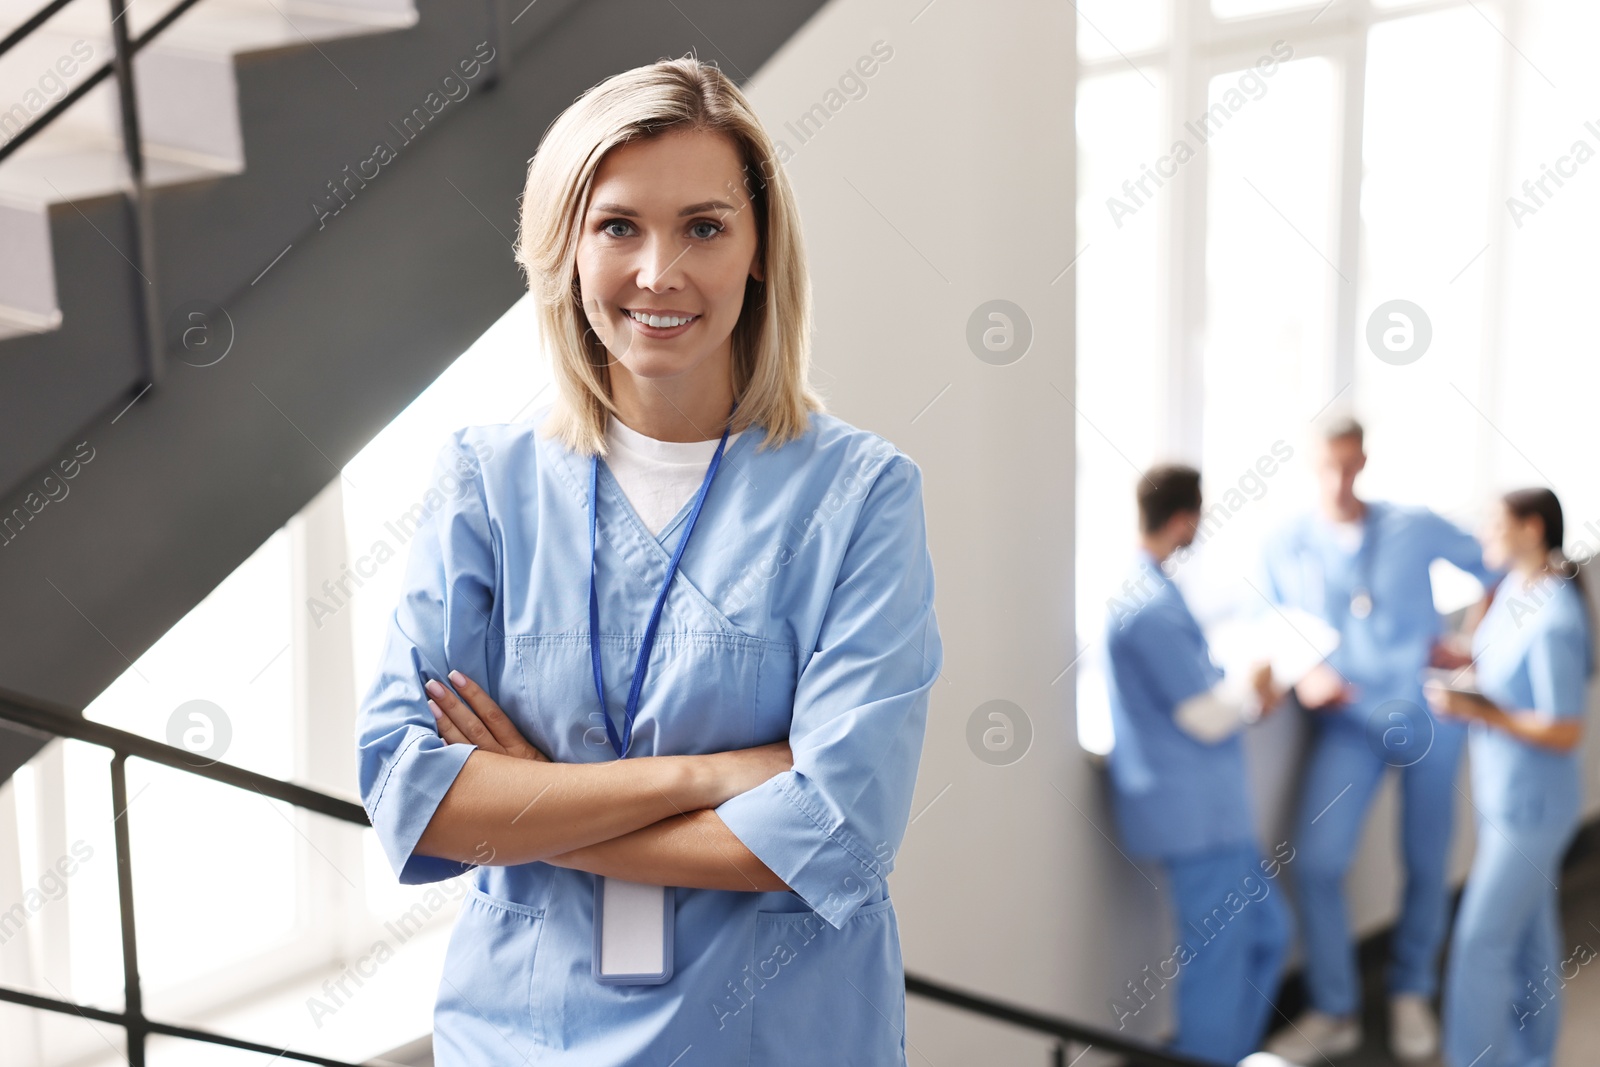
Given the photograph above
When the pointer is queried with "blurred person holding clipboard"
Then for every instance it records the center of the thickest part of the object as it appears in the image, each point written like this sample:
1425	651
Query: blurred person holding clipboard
1179	788
1524	698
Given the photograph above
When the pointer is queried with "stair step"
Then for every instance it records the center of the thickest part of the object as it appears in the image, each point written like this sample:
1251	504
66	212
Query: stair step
62	166
189	116
14	322
244	22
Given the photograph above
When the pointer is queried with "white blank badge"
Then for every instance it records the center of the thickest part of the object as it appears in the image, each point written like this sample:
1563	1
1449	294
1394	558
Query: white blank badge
633	932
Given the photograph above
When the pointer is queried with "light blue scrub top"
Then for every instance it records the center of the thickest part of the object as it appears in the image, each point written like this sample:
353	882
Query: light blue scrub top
802	609
1533	651
1172	793
1383	654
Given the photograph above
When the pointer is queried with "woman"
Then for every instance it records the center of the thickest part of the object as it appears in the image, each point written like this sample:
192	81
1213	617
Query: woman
1534	658
766	680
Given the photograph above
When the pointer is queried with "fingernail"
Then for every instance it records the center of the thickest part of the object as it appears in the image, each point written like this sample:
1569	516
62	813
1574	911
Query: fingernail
435	709
432	685
458	678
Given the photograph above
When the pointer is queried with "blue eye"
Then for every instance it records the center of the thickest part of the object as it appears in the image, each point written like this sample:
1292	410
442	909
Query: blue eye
716	228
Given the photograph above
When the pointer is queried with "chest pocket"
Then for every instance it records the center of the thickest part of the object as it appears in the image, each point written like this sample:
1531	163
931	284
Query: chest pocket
704	691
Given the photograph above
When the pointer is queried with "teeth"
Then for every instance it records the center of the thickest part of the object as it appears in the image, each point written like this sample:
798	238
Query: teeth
660	321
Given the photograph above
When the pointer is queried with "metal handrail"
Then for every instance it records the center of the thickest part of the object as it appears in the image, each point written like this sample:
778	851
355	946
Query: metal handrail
52	719
39	19
101	73
141	222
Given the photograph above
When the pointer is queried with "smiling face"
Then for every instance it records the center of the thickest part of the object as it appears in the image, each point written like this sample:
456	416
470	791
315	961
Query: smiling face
670	230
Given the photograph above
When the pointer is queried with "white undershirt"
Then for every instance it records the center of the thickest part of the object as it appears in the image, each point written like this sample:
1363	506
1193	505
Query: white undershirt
658	477
1348	534
1220	711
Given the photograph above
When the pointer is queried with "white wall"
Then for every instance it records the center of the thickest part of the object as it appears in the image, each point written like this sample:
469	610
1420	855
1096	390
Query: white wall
948	184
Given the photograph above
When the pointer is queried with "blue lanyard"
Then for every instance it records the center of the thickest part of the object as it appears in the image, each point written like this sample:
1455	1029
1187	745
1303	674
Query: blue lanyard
621	745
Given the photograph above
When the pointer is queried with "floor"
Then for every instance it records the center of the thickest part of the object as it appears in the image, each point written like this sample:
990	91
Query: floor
1580	1009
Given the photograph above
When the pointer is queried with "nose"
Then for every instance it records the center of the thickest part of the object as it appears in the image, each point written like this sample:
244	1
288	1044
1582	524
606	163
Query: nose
661	264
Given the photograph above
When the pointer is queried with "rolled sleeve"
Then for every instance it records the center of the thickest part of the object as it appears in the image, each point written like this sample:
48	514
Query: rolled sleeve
1456	546
1174	662
831	826
1558	671
404	766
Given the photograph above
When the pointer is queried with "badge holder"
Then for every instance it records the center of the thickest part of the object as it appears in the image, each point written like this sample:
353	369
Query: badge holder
633	921
632	932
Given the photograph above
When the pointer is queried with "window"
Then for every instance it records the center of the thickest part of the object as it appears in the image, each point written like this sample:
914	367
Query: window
245	906
1303	165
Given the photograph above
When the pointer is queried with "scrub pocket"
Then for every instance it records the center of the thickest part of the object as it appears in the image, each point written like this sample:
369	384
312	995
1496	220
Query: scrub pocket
822	995
484	1011
704	691
1538	804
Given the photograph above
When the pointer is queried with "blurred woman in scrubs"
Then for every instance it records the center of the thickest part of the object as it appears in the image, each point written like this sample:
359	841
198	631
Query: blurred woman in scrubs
573	694
1534	659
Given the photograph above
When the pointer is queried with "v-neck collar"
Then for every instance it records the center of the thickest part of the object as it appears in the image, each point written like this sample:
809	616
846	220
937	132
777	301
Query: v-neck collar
632	526
1326	530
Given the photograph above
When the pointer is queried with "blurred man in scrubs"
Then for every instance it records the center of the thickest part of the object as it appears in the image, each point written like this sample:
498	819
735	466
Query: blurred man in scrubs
1363	567
1180	791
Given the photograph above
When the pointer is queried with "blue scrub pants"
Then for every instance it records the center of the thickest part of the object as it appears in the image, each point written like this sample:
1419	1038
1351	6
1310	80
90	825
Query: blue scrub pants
1220	1017
1502	1005
1349	756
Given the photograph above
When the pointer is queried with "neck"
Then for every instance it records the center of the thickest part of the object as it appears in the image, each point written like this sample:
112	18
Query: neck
692	406
1345	508
1531	566
1158	546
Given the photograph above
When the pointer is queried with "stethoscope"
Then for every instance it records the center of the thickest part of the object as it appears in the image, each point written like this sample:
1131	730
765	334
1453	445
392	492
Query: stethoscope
1361	602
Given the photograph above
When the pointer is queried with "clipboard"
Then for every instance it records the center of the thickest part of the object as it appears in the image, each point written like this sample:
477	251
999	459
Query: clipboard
1293	641
1454	682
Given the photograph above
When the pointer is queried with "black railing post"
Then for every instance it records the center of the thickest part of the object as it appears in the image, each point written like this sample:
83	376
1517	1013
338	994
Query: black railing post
140	217
133	999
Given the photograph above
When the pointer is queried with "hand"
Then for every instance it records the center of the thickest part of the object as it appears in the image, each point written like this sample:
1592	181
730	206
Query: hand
479	721
1324	689
1268	694
1448	654
1449	704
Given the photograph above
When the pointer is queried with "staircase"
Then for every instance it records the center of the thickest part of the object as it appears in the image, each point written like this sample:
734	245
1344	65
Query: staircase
331	191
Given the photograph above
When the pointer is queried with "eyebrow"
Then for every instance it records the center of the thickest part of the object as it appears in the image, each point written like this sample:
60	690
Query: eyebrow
692	209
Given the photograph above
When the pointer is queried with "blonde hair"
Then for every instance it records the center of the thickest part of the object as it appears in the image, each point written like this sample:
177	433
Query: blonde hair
771	343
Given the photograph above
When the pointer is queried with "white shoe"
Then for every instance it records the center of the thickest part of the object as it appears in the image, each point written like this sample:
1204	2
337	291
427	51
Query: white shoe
1413	1030
1316	1036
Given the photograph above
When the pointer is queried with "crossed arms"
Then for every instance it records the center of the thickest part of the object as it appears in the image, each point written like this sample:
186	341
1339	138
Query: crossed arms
645	819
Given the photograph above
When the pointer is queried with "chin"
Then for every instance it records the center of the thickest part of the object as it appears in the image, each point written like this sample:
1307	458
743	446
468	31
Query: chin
653	368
